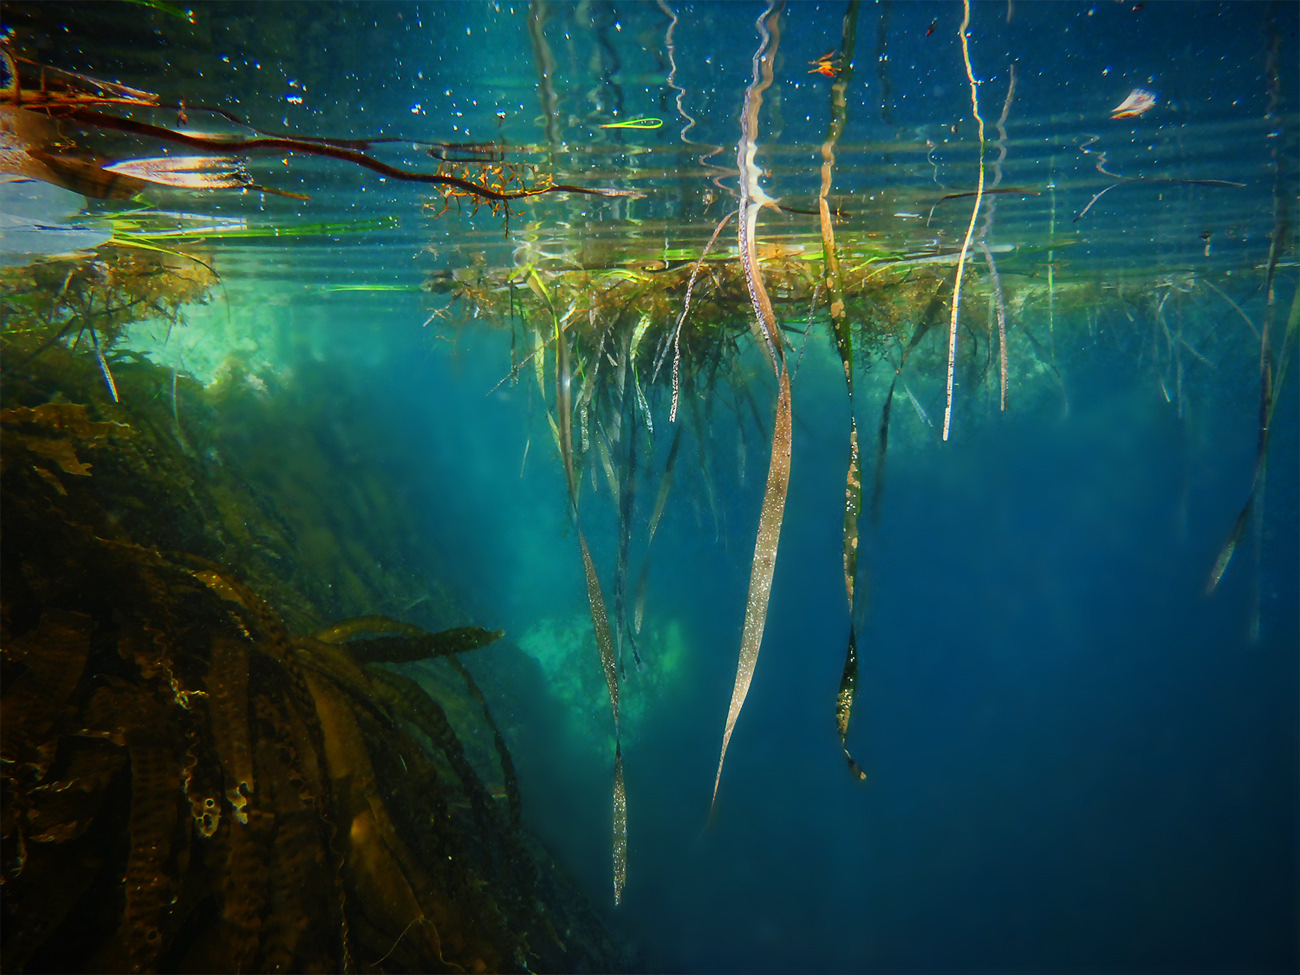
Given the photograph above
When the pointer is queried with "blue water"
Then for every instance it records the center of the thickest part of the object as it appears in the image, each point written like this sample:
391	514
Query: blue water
1077	760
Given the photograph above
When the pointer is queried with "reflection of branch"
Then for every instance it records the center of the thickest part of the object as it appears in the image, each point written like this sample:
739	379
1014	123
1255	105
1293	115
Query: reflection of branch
1153	179
1005	190
307	147
1120	180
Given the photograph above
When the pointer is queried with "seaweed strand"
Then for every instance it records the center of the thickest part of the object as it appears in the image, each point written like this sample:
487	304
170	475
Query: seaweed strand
974	215
778	474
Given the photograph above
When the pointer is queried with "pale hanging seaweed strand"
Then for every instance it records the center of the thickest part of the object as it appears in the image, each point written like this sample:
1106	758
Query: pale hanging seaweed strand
661	501
752	198
844	345
974	215
677	330
595	598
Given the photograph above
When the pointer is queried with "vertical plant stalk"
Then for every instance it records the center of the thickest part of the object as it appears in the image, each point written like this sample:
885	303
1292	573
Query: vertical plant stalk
595	598
843	334
752	198
974	215
1272	369
676	338
1001	308
661	501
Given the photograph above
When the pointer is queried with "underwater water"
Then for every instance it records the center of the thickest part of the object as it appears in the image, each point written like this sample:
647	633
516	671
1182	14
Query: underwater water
1076	757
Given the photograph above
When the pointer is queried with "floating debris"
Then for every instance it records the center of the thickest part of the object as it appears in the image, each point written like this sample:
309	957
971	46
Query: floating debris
1137	101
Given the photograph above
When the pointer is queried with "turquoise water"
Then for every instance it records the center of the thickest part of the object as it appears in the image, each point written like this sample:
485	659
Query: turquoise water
1076	759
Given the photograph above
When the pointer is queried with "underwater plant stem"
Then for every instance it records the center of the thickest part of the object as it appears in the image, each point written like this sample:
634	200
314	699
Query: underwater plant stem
1272	370
677	329
986	228
1002	324
103	366
595	597
752	196
764	318
778	473
843	335
974	215
764	565
1051	266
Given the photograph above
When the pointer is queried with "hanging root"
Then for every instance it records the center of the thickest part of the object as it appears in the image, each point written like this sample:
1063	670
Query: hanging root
974	215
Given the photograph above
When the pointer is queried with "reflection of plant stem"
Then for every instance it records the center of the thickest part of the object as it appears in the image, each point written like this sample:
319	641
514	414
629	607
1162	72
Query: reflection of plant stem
986	227
672	73
545	69
974	214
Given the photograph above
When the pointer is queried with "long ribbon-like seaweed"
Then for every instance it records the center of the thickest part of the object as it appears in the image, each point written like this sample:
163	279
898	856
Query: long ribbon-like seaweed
844	345
752	199
595	598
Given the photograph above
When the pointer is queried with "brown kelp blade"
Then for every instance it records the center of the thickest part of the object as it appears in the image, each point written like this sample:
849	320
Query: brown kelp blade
760	579
405	641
